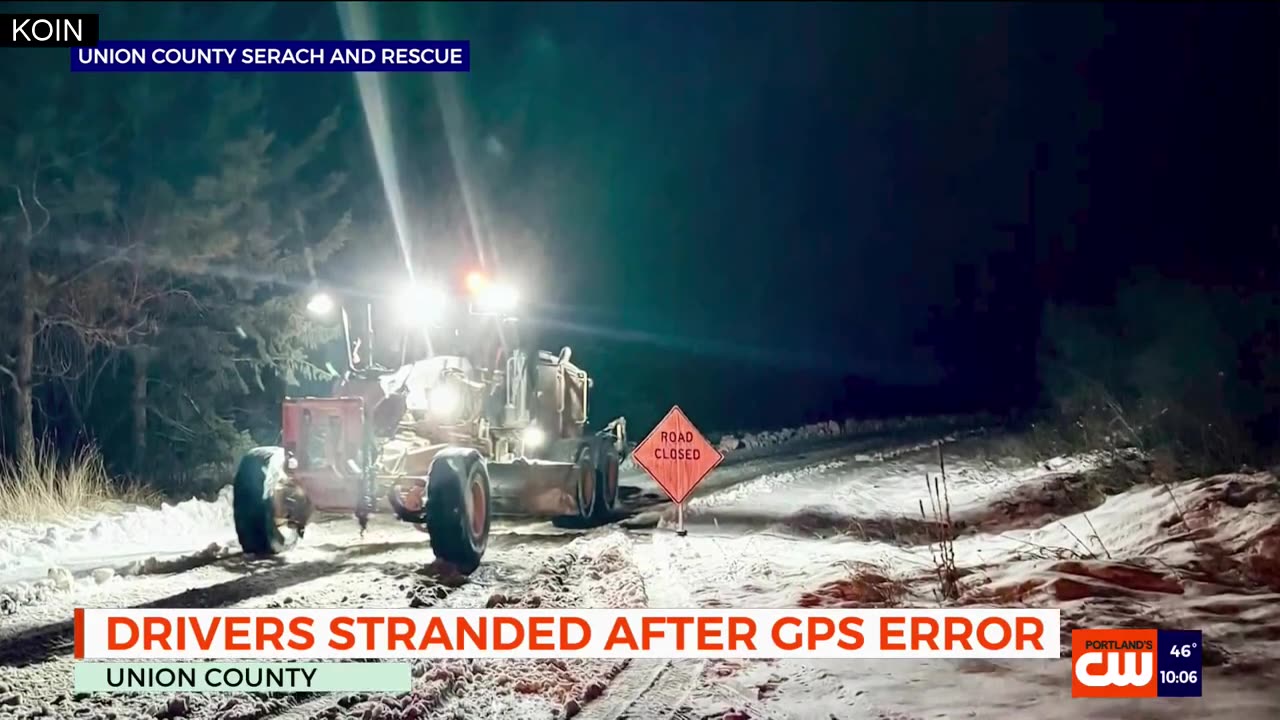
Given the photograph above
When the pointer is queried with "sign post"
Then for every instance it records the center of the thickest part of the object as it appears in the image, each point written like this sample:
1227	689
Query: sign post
677	457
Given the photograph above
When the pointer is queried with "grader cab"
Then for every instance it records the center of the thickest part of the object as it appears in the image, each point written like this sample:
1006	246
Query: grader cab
476	428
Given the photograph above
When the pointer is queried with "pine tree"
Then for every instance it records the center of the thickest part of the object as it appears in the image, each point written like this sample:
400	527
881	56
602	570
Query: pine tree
158	263
52	195
231	251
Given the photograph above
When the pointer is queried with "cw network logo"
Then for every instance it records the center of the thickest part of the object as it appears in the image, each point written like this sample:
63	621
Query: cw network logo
1114	663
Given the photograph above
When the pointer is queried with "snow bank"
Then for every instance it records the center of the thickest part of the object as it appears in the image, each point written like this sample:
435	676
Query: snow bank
877	496
31	550
740	441
755	443
1223	530
1071	533
1197	554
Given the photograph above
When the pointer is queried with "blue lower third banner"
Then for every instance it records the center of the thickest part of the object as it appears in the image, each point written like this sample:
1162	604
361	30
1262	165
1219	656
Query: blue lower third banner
274	56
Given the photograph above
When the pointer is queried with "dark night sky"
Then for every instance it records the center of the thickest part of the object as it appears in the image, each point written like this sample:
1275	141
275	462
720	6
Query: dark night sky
779	195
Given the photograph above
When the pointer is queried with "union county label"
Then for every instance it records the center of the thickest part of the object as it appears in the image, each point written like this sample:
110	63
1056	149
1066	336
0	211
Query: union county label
133	677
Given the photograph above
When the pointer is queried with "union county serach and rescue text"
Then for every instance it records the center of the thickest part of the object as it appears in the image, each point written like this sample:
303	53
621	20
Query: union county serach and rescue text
269	56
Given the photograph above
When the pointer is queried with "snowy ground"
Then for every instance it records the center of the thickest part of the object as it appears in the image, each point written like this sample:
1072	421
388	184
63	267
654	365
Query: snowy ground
29	550
830	523
135	539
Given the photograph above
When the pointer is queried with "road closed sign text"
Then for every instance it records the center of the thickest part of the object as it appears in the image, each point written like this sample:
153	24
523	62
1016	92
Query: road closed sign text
677	445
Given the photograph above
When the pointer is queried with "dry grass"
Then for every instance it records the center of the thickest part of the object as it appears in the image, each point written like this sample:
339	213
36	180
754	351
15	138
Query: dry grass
46	488
942	544
866	586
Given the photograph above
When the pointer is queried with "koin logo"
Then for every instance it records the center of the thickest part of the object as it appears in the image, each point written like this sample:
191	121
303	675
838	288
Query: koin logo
1122	669
49	30
45	29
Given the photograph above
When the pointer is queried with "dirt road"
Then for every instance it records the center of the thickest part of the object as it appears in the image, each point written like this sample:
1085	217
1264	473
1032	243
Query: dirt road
534	563
763	533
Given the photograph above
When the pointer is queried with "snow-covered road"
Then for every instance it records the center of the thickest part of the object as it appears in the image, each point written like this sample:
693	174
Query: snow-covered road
770	531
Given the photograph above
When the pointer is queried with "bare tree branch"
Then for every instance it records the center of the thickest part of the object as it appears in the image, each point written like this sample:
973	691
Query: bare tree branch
13	377
35	197
26	215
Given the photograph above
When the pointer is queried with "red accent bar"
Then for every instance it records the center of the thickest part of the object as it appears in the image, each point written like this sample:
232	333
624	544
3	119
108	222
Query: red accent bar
79	627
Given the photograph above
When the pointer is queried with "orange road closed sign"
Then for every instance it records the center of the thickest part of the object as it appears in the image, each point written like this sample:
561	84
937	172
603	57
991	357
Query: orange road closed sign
676	455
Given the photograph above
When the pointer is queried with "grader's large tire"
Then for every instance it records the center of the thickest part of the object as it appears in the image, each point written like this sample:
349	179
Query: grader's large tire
607	462
459	508
585	485
261	471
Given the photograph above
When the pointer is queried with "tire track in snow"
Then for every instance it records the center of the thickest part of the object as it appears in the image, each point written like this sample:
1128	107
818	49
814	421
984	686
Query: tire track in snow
307	710
49	642
45	650
664	694
429	588
573	575
661	689
652	688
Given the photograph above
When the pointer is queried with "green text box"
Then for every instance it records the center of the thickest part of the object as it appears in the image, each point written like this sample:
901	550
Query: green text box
124	677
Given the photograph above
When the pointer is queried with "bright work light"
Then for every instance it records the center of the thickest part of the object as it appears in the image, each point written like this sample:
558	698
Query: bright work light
419	305
320	304
499	298
445	401
533	437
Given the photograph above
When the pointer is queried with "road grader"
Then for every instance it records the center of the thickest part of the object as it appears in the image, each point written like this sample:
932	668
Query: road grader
476	427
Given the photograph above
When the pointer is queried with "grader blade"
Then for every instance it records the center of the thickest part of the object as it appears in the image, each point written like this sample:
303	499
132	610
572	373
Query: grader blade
533	488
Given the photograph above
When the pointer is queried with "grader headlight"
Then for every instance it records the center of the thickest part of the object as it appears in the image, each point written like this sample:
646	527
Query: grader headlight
533	437
492	297
499	298
419	305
